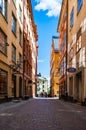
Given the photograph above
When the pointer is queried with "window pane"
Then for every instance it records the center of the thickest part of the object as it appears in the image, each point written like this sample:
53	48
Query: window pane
3	7
72	18
13	24
13	53
20	13
20	36
79	5
3	42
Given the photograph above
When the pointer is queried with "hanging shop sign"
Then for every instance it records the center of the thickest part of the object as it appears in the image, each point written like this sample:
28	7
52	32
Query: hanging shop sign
71	70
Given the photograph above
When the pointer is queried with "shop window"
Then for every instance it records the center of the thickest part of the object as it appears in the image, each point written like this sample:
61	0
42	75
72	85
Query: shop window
3	83
72	18
3	8
3	42
79	5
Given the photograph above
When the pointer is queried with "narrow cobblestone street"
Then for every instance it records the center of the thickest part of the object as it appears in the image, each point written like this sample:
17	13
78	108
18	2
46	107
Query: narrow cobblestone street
42	114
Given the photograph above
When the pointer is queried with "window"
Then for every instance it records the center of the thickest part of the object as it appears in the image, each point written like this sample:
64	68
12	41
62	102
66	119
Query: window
20	13
78	44
79	2
3	8
20	58
13	53
3	83
13	24
43	82
72	18
20	37
3	42
71	53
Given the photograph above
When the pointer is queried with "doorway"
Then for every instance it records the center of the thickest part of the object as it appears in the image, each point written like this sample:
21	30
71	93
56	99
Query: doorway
71	86
20	87
14	85
79	86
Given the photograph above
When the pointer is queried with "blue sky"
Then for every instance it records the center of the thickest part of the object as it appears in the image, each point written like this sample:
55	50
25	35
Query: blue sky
46	16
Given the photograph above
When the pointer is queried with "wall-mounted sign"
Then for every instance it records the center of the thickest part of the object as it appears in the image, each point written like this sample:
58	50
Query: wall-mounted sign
71	70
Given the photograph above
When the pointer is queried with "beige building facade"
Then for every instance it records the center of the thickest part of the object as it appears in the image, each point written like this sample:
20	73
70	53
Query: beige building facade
11	24
77	49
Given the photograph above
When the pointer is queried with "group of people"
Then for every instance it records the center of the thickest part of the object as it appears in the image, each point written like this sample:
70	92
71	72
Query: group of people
43	94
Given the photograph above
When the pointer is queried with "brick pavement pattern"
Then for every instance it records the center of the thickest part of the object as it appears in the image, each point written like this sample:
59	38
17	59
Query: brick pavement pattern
42	114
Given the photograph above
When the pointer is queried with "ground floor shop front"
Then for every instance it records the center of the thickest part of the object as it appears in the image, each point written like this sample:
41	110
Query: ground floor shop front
77	85
11	84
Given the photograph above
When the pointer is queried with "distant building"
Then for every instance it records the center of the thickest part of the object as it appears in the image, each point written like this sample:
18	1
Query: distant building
42	85
54	68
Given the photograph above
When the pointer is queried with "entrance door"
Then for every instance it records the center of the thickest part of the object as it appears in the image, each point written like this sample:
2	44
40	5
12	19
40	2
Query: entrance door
79	86
71	86
20	87
14	83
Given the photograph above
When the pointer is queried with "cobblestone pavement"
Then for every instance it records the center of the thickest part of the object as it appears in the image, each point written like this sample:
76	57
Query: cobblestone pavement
42	114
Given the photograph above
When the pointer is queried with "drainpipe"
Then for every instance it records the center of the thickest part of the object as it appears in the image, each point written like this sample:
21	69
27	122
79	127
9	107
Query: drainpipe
23	50
66	48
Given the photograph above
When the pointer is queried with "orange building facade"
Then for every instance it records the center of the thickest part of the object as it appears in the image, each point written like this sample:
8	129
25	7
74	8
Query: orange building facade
54	62
62	29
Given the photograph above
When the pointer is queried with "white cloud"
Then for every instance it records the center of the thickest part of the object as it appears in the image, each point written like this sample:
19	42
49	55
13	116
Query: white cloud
40	61
51	6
